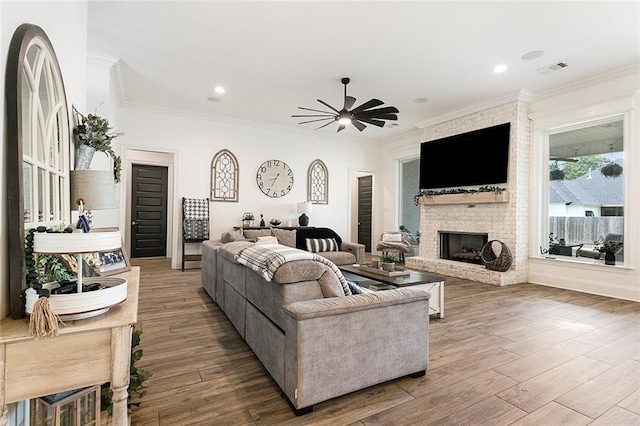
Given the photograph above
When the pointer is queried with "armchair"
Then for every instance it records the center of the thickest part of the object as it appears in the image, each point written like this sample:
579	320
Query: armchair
396	242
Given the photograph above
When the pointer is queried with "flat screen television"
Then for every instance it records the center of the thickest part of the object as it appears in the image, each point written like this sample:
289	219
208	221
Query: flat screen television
480	157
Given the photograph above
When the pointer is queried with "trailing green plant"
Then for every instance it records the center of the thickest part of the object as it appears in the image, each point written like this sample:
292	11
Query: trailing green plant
388	258
50	269
137	377
95	131
432	192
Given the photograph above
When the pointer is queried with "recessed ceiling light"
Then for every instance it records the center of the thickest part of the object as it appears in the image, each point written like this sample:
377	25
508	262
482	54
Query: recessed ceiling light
534	54
213	99
219	90
420	100
500	68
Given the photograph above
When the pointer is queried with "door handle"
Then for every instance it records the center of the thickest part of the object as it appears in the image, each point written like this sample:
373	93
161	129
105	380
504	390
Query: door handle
134	223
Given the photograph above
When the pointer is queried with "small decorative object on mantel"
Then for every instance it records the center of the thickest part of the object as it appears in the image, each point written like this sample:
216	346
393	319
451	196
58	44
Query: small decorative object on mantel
93	133
496	262
248	219
275	222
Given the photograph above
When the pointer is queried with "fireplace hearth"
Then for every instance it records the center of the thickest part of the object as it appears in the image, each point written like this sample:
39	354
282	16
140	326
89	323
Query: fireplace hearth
462	246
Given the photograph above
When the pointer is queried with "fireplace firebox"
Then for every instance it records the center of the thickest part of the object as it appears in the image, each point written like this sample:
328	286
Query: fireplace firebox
462	246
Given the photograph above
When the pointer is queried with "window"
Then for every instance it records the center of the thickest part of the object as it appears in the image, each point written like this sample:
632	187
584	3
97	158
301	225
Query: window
224	177
586	188
318	183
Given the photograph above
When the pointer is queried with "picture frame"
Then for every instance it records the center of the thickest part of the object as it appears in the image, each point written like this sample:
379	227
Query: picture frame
106	263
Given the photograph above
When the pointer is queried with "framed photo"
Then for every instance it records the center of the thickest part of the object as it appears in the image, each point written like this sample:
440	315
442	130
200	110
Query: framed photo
105	263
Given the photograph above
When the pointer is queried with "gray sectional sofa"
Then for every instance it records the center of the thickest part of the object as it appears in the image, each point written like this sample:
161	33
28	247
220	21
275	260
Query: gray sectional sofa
316	342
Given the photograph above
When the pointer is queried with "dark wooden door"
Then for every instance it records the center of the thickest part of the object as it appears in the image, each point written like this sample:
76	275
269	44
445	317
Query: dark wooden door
149	211
365	196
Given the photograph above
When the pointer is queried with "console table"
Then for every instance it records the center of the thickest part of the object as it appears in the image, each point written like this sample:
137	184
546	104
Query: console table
87	352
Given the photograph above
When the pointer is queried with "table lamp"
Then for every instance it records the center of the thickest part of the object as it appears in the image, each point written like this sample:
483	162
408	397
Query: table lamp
304	208
92	189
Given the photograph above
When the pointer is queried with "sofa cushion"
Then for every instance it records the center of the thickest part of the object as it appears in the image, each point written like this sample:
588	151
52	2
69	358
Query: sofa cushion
253	234
304	232
235	235
315	245
330	285
339	257
285	237
267	240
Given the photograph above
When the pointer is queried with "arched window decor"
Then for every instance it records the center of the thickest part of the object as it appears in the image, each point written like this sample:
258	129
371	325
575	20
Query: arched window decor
224	177
38	137
318	183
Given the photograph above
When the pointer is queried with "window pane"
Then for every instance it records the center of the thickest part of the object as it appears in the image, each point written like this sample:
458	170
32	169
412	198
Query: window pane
586	189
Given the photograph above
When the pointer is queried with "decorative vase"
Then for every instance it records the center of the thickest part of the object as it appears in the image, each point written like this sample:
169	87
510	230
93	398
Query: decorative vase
609	258
84	155
389	267
248	223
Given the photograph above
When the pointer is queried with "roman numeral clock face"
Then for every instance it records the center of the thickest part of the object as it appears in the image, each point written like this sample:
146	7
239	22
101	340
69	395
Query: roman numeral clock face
274	178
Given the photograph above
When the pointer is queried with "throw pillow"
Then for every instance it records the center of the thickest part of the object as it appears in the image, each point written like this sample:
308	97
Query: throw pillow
392	238
316	245
267	240
285	237
253	234
235	235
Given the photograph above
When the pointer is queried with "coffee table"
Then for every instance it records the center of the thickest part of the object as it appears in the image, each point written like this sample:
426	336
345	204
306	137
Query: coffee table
376	282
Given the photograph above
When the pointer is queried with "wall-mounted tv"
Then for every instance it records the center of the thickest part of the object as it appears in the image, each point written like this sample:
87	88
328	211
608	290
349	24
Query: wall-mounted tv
480	157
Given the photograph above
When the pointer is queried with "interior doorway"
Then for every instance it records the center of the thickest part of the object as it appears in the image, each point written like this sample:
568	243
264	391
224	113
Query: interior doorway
149	188
365	211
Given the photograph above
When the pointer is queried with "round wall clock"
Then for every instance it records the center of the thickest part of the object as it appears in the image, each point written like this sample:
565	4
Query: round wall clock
274	178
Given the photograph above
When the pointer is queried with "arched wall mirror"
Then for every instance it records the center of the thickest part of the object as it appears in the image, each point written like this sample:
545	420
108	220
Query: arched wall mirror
38	141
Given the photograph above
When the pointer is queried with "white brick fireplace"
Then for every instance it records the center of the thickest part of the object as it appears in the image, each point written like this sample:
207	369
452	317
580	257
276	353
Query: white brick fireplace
506	221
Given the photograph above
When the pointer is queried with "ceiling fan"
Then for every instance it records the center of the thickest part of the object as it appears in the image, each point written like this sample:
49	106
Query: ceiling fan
367	113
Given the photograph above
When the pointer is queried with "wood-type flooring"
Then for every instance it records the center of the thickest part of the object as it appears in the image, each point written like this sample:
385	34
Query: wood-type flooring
517	355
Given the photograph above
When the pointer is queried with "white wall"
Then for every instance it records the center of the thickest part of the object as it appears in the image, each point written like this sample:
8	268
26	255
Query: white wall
194	141
65	23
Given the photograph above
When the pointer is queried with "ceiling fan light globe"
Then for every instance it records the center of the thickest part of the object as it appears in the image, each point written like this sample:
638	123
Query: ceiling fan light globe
344	120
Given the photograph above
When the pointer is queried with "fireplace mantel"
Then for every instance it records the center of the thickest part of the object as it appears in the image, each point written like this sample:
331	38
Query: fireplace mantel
465	198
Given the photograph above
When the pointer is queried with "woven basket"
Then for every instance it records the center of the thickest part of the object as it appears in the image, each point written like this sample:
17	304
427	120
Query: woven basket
500	263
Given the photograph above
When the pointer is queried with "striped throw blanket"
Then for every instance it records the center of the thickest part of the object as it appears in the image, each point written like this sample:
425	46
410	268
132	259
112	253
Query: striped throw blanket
265	259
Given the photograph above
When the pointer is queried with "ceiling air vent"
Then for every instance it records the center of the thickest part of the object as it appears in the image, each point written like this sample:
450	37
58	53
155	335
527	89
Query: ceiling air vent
553	67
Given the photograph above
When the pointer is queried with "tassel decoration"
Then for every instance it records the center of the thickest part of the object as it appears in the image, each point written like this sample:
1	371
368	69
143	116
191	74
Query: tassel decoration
43	321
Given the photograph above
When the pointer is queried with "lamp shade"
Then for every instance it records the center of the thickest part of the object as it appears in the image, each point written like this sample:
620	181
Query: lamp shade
97	189
304	207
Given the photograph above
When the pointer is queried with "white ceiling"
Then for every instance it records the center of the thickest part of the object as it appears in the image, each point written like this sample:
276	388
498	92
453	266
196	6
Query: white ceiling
275	56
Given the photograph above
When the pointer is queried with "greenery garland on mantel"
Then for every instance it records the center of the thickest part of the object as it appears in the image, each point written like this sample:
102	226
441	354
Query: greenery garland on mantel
432	192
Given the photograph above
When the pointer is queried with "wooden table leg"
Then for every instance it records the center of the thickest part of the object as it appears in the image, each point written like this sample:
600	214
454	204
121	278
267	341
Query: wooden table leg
120	371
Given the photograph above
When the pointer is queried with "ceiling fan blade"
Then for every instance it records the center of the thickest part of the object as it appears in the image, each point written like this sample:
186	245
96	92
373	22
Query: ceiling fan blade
372	103
341	127
328	106
318	119
314	110
369	120
358	125
383	110
324	125
378	116
315	115
348	102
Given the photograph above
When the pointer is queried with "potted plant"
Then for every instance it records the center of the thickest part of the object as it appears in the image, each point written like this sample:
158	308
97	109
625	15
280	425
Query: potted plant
92	134
610	249
388	262
247	219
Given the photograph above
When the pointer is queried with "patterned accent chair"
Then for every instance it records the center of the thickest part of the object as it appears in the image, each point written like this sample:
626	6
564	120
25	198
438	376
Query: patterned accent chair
396	242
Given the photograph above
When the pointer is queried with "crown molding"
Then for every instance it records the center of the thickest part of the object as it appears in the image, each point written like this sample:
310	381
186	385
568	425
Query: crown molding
521	95
104	61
